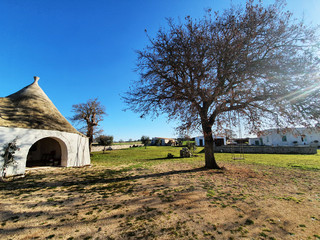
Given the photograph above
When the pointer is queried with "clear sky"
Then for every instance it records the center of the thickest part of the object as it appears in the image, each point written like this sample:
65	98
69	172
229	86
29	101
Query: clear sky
84	49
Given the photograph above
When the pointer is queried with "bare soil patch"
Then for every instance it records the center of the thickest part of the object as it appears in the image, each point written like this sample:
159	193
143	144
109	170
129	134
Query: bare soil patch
167	201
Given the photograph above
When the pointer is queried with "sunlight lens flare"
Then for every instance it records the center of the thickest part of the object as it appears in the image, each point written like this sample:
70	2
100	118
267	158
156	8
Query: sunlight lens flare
301	93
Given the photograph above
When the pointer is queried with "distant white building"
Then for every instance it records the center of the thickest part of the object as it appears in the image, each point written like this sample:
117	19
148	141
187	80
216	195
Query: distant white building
288	137
163	141
255	141
219	141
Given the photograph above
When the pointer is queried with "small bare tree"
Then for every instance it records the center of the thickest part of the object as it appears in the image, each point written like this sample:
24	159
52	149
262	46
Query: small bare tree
255	62
89	113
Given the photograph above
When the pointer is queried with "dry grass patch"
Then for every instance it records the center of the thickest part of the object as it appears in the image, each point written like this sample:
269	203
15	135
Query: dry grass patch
169	200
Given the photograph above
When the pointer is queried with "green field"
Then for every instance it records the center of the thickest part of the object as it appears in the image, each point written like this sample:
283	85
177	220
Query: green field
141	157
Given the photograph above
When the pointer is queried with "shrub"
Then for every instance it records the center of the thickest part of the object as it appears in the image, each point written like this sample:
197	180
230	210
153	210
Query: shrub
8	155
191	146
170	155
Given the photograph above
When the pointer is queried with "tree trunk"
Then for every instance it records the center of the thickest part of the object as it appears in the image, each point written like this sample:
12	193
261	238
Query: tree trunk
90	143
90	136
209	150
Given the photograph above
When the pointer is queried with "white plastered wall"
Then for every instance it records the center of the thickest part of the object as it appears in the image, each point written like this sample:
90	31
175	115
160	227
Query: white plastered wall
274	138
197	140
74	147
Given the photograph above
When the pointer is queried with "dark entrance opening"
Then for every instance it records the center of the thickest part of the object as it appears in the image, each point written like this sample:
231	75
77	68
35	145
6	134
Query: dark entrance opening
45	152
201	142
219	142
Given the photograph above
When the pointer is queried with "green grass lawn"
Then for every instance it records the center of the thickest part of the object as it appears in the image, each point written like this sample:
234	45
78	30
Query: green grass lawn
141	157
137	157
127	143
307	162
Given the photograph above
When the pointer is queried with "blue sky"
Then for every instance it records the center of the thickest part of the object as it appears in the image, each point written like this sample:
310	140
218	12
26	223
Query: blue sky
84	49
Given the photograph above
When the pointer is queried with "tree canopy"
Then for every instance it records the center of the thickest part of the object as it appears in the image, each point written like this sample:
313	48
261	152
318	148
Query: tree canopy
104	140
256	62
145	140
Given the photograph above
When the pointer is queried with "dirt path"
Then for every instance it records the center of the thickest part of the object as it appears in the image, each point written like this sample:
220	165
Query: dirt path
169	201
114	147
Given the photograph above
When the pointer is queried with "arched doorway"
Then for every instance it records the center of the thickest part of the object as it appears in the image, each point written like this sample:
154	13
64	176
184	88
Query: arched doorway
45	152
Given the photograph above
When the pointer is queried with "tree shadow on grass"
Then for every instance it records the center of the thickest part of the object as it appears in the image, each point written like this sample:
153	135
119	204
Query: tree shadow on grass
163	158
78	204
174	172
34	182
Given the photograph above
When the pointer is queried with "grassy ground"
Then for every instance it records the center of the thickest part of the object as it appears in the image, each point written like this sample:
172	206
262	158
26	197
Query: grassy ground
138	157
139	194
127	143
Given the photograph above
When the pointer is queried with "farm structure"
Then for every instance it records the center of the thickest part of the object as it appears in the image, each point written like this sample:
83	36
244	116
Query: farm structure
163	141
288	137
43	137
218	141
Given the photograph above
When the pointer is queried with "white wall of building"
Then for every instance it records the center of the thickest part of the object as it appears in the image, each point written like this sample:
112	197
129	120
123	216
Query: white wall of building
201	142
164	141
292	137
256	141
74	147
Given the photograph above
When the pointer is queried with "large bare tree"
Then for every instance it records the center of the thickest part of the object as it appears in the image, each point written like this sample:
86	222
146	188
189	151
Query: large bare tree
89	113
256	62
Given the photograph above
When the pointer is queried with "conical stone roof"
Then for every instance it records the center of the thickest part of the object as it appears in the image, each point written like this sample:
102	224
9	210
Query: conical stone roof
31	108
